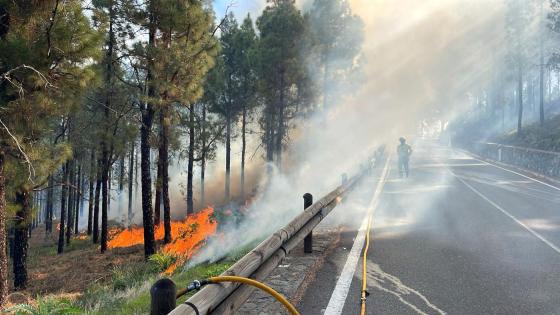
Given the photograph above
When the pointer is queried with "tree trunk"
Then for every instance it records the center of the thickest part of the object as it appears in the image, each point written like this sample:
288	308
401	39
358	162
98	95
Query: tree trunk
203	158
190	166
83	183
147	218
71	193
96	202
280	134
269	135
136	168
130	181
105	156
121	173
49	208
104	199
21	238
109	181
78	198
243	149
91	191
228	154
145	130
63	209
165	178
159	178
3	236
520	100
157	205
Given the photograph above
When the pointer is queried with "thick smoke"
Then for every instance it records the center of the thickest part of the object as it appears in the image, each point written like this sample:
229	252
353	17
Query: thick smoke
420	59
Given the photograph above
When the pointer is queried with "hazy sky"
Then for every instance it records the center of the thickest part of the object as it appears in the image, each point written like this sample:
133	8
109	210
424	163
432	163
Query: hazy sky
240	7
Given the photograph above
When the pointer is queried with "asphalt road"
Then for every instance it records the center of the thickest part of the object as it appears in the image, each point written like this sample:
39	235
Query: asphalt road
459	236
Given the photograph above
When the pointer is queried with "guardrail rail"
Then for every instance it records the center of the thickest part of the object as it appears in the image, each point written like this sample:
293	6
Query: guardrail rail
540	161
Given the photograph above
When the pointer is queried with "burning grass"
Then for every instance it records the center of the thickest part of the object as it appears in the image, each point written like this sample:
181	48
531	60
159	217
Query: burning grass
187	237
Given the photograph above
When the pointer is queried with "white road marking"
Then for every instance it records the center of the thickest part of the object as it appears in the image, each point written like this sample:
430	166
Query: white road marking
439	165
393	285
514	172
537	235
340	293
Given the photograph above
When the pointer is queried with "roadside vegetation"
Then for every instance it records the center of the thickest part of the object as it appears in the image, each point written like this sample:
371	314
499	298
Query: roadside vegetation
119	282
536	136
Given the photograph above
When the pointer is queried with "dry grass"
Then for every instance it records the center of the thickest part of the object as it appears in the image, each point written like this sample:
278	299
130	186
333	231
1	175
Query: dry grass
69	274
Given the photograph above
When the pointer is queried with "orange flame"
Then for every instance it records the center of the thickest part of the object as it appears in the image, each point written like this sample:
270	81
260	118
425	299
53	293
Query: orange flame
187	236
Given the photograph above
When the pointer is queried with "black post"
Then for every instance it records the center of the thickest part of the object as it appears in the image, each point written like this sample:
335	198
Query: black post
163	294
308	240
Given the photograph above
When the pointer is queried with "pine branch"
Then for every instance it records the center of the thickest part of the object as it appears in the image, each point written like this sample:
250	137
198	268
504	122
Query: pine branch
49	29
19	86
30	167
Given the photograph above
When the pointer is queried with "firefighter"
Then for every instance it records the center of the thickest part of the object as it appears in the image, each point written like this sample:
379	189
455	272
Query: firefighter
403	151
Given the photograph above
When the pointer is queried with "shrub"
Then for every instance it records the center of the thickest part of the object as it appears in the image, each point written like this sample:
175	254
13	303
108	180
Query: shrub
162	261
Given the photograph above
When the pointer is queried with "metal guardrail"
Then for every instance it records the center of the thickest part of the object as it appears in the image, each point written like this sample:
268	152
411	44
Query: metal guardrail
226	298
540	161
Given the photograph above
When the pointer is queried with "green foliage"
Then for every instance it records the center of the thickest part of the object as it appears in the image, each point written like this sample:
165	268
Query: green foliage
162	260
46	306
135	299
47	62
546	137
231	85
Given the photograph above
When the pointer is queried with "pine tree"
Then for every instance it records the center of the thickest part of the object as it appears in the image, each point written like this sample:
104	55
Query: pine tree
46	46
245	41
337	38
282	72
231	88
518	21
182	38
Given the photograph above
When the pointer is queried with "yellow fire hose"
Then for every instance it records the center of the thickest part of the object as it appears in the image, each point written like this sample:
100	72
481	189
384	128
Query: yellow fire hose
195	285
364	270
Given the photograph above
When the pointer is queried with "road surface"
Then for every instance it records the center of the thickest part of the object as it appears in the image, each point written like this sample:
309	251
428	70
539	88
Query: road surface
459	236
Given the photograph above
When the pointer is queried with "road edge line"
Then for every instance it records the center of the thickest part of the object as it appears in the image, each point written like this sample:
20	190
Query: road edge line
342	287
535	234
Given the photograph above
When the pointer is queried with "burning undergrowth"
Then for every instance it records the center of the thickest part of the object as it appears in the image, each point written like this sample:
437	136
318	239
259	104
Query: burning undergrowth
188	236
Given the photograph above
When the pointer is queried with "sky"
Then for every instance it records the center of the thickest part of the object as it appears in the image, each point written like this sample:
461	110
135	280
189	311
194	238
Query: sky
240	7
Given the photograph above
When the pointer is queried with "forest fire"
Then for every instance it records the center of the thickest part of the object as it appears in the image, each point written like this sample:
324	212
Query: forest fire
187	236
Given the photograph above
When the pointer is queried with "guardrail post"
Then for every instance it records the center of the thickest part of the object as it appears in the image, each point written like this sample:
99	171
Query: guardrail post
308	240
163	294
499	154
